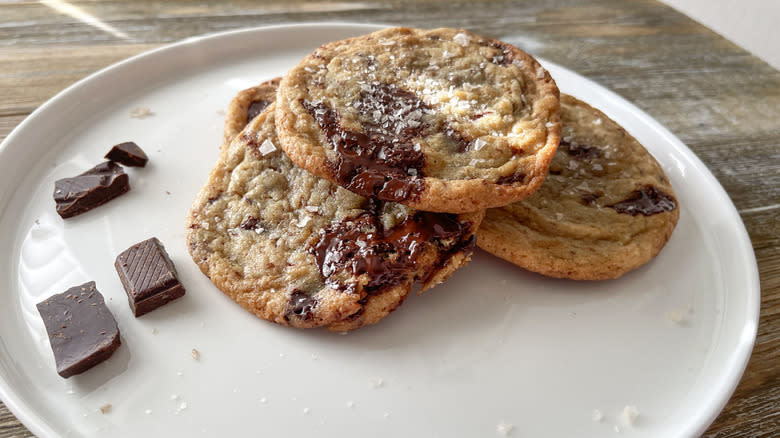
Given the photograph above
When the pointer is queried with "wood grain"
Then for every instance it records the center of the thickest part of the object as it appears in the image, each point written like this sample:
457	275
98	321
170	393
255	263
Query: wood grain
721	101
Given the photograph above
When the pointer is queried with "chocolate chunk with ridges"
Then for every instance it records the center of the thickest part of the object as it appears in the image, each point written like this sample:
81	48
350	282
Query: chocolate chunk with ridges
580	151
301	305
129	154
647	201
148	275
90	189
256	108
361	245
82	331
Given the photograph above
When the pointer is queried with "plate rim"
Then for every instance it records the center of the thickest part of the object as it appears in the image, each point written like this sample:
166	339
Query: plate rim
735	367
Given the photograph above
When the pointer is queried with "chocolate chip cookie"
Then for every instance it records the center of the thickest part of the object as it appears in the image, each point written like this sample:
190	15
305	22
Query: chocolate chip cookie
606	207
299	250
438	120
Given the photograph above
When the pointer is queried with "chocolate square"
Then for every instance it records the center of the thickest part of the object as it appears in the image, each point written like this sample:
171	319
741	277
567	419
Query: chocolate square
82	331
148	275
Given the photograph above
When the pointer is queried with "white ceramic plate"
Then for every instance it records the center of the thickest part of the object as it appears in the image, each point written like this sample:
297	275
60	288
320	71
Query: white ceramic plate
493	346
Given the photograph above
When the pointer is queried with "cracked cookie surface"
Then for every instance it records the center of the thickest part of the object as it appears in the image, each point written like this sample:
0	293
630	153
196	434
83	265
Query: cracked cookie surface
298	250
438	120
605	208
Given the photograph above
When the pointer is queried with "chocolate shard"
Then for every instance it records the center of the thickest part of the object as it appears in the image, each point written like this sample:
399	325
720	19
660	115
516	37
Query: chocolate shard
82	331
129	154
148	275
90	189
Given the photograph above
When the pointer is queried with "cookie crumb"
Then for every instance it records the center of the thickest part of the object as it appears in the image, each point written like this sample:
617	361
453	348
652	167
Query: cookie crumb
504	428
221	112
106	408
597	416
141	112
306	411
154	331
675	316
629	415
195	354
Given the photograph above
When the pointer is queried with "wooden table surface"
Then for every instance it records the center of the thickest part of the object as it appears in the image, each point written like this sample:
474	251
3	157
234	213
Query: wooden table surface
721	101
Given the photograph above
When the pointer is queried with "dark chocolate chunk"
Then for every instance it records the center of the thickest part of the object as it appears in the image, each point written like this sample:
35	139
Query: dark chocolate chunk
383	161
256	108
250	223
511	179
91	189
301	304
82	331
580	151
588	198
647	201
505	57
361	245
148	275
129	154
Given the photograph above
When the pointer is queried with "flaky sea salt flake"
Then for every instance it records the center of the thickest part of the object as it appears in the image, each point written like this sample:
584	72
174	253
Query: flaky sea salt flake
504	428
267	147
141	112
462	39
629	415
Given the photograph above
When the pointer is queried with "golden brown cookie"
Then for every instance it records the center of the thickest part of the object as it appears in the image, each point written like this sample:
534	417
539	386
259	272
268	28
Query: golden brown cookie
298	250
438	120
606	207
